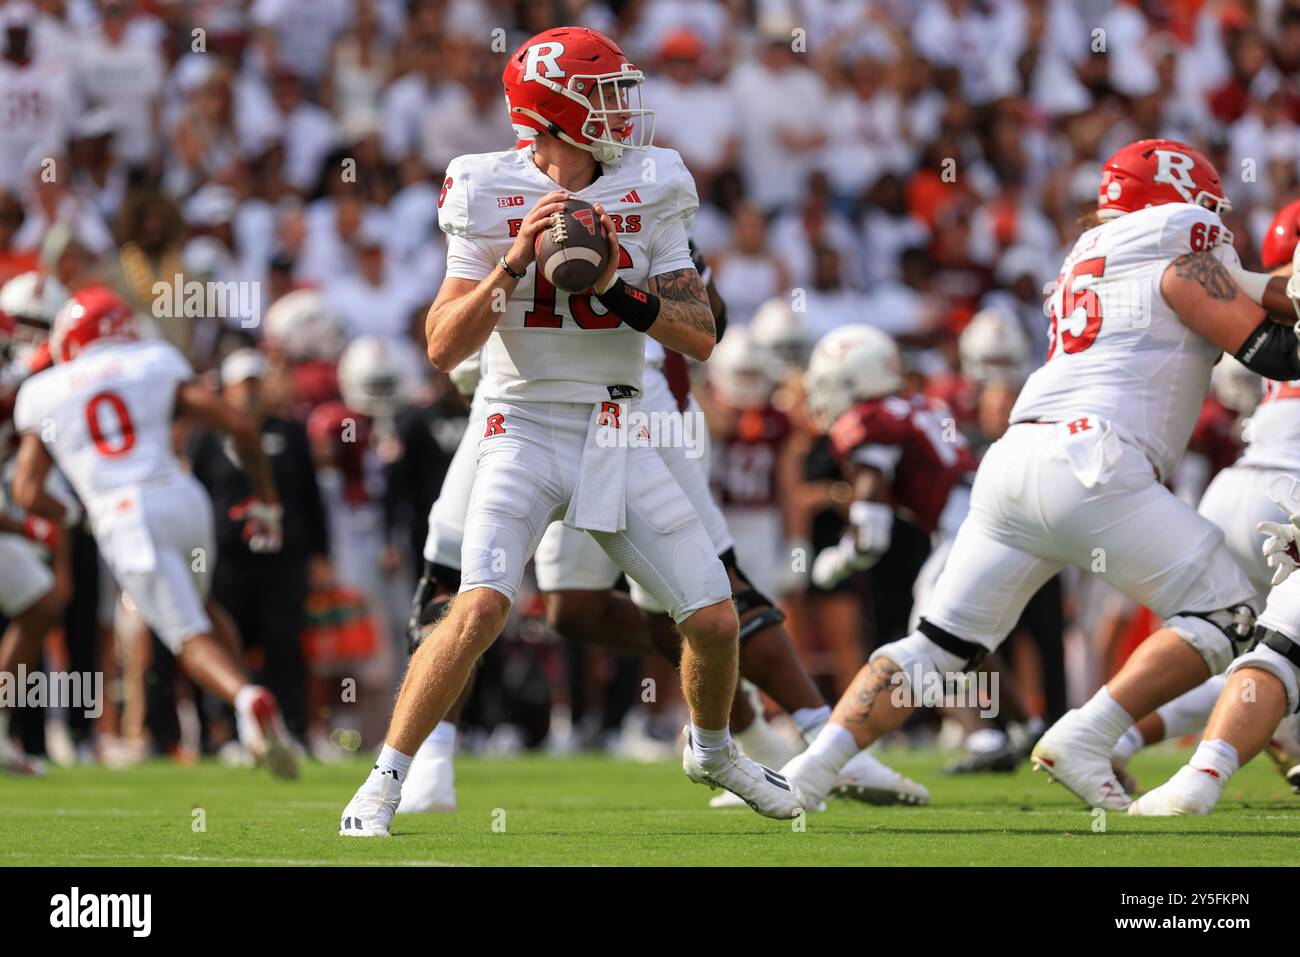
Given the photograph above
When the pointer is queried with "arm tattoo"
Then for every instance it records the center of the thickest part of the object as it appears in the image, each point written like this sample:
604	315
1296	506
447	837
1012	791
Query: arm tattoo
1204	269
682	300
874	684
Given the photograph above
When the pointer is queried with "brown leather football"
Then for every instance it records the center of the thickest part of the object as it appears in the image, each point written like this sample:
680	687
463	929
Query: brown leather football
573	250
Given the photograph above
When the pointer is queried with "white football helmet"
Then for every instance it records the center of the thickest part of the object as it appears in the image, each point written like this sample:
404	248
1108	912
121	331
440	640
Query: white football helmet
305	327
32	300
1235	386
779	333
994	348
372	377
738	371
851	364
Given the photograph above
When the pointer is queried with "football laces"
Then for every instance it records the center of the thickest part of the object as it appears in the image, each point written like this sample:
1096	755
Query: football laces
559	228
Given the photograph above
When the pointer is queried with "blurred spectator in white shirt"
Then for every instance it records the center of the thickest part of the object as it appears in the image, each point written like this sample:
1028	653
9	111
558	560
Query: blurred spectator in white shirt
301	33
362	65
828	302
782	109
749	273
126	79
408	100
693	115
376	300
306	130
39	101
467	118
815	222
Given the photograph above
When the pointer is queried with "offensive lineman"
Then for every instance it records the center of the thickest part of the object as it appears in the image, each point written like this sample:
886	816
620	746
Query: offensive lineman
1142	311
562	374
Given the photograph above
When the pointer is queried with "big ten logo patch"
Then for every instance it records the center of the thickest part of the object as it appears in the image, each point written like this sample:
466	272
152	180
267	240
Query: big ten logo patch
496	425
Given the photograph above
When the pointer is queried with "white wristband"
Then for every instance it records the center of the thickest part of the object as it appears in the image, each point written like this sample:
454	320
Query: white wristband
1253	284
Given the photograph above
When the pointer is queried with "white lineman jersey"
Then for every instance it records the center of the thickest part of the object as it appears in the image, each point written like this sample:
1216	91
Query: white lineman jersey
1117	350
1273	432
106	417
553	346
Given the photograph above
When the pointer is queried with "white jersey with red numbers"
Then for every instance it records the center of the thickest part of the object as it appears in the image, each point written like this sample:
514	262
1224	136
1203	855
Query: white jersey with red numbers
1118	351
1273	435
553	346
106	417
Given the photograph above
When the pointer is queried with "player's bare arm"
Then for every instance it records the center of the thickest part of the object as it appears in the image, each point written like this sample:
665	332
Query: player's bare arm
676	312
466	311
31	467
1199	288
685	319
209	408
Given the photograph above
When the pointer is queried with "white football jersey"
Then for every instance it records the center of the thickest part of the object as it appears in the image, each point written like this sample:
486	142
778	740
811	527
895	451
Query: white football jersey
551	346
1116	349
1273	435
106	417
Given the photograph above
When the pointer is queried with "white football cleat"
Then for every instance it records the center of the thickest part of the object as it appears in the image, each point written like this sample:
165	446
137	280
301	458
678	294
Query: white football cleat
262	732
764	790
871	781
813	775
371	810
1070	756
1191	791
430	785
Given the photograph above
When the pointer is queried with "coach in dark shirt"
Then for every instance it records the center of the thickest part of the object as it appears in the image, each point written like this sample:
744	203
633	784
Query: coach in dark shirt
266	593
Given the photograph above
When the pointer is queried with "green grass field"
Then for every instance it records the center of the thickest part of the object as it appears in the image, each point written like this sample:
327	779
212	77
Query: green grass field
595	811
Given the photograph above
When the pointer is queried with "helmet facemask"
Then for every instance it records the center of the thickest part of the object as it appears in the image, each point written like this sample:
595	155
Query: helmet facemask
604	96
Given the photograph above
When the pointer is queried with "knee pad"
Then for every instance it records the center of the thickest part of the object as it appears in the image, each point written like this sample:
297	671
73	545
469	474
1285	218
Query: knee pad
1217	636
1277	654
920	654
754	600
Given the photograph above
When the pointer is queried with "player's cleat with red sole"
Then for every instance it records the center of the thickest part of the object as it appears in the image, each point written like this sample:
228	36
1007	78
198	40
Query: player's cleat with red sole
1084	769
262	731
768	792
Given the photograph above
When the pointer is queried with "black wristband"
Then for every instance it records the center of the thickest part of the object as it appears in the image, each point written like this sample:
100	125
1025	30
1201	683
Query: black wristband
720	320
636	307
1270	351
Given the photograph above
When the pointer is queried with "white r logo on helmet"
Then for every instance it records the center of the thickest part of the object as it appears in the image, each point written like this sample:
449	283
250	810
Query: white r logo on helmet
545	54
1176	170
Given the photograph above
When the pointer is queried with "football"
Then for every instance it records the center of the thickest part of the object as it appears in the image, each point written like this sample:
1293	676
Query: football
573	251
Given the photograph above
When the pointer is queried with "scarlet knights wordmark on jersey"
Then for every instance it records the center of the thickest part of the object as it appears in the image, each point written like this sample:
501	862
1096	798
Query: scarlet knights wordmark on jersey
550	345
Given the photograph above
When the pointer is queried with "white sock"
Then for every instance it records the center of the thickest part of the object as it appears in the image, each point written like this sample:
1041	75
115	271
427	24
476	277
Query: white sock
1106	718
242	696
1188	713
390	759
444	737
1130	742
810	721
1218	759
834	745
709	747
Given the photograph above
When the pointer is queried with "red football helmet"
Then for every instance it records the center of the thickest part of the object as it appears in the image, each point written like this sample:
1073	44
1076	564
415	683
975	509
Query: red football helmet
94	314
1155	172
578	85
1283	234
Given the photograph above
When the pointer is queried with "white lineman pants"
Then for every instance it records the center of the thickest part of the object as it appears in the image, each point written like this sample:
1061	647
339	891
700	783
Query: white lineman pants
1031	515
524	480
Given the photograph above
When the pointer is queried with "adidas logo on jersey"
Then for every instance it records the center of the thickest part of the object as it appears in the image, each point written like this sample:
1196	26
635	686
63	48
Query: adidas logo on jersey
631	197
